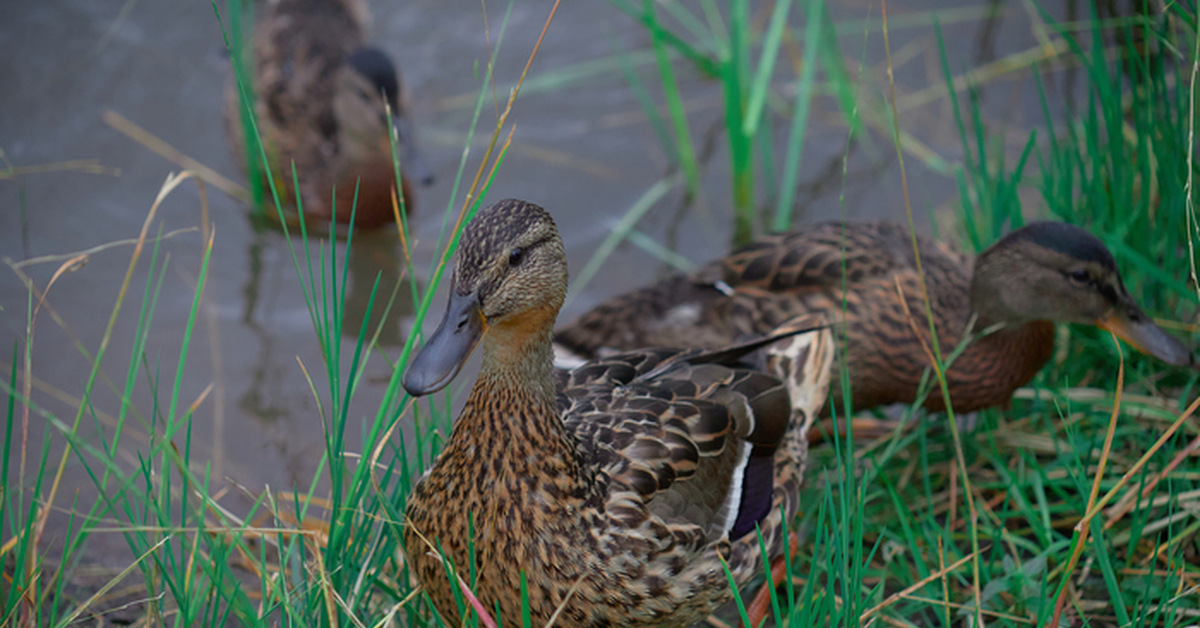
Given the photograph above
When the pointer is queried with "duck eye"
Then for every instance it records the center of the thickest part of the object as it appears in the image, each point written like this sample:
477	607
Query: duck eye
1079	276
516	256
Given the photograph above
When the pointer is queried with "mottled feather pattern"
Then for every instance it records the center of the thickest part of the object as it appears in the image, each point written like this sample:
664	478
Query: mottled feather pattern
863	277
612	488
641	442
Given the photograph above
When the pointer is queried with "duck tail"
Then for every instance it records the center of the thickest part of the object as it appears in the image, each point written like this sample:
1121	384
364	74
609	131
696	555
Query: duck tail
804	362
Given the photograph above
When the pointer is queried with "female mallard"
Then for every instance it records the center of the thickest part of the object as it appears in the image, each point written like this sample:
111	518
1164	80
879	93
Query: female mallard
320	103
615	491
865	276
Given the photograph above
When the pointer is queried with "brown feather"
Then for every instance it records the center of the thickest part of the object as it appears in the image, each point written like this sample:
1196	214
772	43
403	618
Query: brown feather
607	488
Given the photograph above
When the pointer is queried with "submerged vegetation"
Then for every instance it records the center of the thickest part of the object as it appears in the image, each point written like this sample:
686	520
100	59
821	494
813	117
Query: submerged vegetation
1075	506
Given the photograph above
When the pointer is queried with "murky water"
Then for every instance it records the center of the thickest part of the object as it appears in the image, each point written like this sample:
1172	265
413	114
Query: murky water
582	148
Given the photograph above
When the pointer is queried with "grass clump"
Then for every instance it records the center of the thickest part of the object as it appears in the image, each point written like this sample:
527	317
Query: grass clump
744	63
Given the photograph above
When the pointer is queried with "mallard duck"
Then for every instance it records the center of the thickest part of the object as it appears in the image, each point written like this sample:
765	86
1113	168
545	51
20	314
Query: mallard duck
864	277
616	490
320	96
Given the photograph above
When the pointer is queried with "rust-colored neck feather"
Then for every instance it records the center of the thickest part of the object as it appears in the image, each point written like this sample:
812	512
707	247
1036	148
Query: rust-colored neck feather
519	354
512	405
992	367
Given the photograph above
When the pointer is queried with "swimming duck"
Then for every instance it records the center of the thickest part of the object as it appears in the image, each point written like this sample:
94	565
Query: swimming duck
320	96
864	277
616	490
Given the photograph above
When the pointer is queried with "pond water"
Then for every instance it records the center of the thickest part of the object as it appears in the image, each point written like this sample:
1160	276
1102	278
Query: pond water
582	148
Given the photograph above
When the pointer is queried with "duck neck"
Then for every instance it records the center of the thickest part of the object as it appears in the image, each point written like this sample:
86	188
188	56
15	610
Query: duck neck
993	366
987	292
1025	342
990	311
520	356
512	407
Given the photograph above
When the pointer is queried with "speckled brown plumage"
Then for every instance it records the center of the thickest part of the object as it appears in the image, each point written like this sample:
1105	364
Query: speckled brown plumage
864	276
320	97
609	488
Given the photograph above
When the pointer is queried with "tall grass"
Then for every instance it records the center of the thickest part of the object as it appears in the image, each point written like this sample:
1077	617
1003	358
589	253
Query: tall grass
36	581
744	64
1123	165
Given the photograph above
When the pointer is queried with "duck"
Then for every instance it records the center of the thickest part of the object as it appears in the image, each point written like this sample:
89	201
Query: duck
1001	307
612	493
320	101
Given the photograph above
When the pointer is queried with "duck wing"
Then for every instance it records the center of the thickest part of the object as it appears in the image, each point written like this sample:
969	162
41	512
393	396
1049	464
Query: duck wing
687	436
761	285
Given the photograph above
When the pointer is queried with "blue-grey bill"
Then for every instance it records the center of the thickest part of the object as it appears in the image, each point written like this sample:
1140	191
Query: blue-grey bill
448	348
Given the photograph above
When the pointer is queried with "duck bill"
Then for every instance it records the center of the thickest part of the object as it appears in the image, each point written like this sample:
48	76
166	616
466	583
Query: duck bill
1145	336
448	348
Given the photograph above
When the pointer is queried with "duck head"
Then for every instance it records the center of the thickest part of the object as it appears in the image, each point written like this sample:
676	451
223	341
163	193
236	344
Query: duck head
1058	272
509	281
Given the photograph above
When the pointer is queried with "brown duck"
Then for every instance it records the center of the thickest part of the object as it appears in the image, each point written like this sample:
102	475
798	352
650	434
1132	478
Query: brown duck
616	491
320	96
864	275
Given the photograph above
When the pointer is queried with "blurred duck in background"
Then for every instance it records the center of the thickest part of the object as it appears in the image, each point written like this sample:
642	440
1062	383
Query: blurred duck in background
320	101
